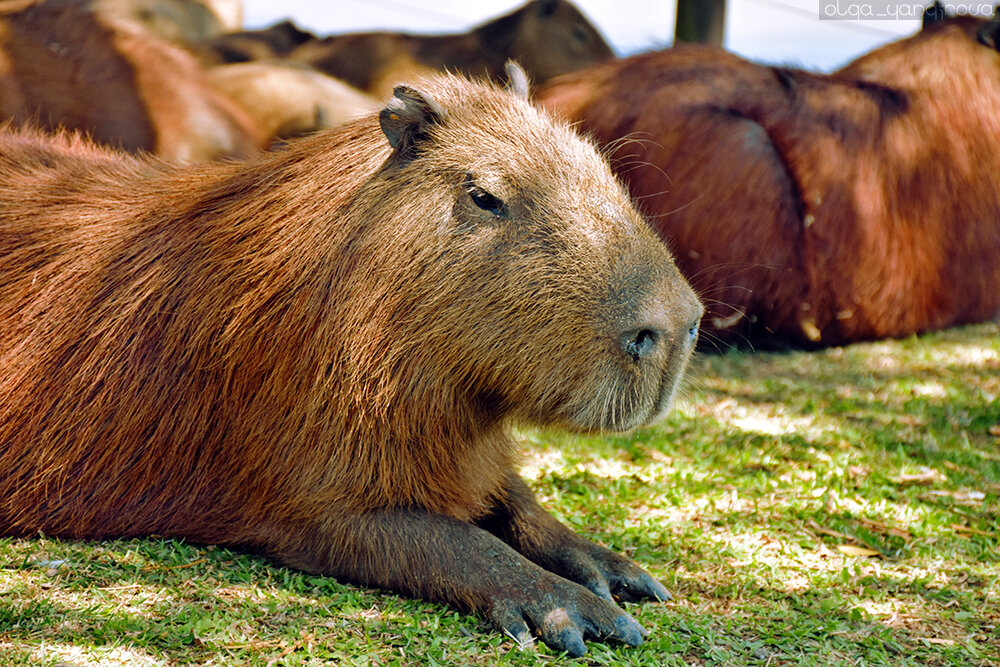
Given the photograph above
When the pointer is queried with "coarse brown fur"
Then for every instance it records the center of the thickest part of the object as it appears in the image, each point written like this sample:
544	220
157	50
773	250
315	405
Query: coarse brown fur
546	37
316	354
63	65
813	209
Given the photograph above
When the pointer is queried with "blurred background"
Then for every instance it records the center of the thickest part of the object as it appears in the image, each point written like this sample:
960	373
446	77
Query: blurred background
775	31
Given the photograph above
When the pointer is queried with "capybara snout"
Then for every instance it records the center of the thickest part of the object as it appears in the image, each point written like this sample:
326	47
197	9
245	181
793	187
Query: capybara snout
657	336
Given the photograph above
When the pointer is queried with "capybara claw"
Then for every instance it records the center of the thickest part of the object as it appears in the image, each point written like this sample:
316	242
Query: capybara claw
628	630
646	587
569	640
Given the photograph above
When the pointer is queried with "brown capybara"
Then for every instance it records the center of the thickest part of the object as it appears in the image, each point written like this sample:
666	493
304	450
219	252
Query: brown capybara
272	43
315	354
63	65
546	37
180	21
813	209
287	99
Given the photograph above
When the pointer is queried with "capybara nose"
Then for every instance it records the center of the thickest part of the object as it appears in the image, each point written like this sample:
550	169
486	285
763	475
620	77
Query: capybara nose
640	343
645	342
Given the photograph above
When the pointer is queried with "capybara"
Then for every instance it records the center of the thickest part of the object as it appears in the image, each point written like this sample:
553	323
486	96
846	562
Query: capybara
272	43
315	354
546	37
814	209
64	65
178	21
286	99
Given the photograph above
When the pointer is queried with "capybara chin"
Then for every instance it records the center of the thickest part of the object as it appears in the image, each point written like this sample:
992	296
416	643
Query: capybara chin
315	355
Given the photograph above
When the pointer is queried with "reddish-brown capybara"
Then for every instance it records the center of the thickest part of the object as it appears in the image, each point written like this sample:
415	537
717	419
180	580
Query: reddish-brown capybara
546	37
316	354
813	209
63	65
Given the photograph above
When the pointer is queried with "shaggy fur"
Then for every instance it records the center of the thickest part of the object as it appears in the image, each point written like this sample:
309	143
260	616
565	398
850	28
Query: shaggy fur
315	355
64	65
809	209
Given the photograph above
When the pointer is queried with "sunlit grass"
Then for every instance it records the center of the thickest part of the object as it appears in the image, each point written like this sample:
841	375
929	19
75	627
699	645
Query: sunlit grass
834	507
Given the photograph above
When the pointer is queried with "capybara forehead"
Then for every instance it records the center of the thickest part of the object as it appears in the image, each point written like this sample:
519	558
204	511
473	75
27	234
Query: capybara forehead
493	133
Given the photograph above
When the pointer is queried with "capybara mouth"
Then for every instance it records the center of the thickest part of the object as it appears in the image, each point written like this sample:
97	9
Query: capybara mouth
627	403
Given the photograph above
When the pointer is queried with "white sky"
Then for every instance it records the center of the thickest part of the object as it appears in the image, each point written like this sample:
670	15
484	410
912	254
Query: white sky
773	31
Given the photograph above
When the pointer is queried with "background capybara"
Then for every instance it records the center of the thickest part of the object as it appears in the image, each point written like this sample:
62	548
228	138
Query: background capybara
181	21
286	99
274	42
315	354
545	37
65	65
814	209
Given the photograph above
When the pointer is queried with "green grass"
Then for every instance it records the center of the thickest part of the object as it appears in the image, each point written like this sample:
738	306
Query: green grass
834	507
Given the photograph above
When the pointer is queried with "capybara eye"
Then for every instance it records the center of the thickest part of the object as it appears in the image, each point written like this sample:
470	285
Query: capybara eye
693	331
486	201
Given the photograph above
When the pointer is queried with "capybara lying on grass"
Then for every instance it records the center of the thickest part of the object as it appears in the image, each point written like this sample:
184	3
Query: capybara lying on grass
315	355
814	209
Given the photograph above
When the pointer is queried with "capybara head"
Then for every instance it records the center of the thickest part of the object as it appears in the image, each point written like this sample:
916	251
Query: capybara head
549	38
530	278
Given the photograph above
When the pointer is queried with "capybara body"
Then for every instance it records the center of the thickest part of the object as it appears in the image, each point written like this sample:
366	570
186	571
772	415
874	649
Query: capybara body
286	99
180	21
65	65
545	37
814	209
315	354
276	42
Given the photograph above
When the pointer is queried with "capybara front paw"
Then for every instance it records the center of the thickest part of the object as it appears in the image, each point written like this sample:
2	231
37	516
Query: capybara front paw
630	583
607	574
564	618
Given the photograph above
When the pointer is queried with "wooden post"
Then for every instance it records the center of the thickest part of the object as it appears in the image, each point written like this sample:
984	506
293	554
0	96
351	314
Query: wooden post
700	21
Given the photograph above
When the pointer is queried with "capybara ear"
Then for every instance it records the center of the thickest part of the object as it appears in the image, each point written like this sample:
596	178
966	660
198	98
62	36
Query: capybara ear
546	8
933	14
989	33
407	117
517	79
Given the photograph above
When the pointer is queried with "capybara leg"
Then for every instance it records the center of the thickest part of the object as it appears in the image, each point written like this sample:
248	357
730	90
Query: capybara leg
438	558
525	525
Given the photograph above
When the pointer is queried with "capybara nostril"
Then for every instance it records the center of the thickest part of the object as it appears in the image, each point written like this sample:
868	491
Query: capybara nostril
692	331
640	344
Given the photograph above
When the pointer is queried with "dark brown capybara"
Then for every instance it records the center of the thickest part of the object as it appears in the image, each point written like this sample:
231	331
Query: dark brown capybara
315	354
546	37
274	42
813	209
64	65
